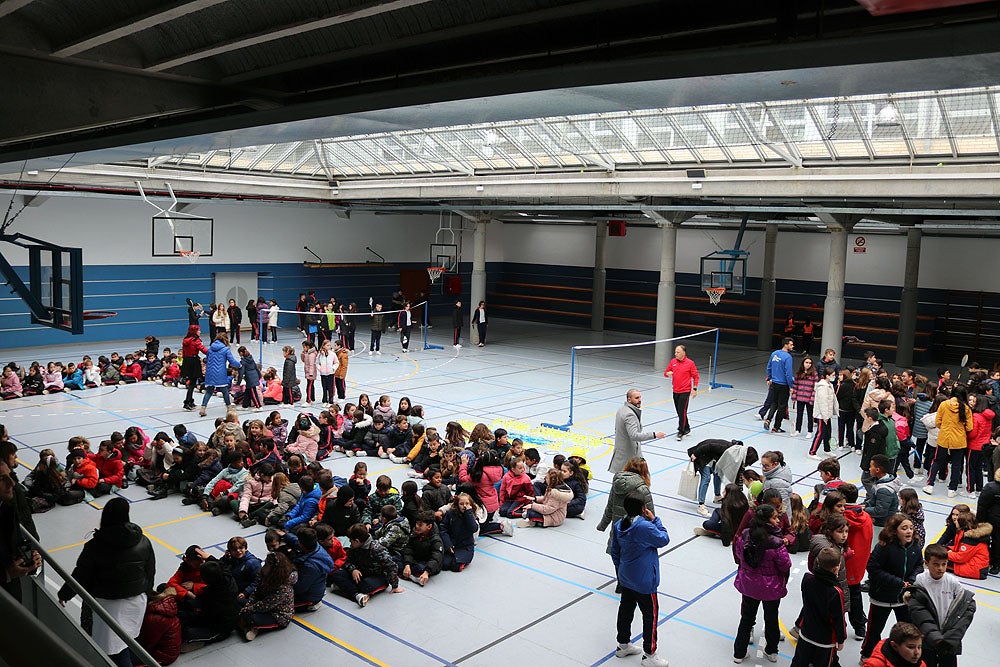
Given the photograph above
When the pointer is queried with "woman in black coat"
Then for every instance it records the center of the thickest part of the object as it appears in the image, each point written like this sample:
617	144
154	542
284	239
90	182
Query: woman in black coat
117	567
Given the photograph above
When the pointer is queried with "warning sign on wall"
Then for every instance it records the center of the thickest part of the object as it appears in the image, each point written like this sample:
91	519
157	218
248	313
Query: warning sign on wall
859	245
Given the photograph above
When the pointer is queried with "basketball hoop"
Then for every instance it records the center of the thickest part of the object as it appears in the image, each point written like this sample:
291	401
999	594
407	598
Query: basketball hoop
190	255
715	294
98	314
434	273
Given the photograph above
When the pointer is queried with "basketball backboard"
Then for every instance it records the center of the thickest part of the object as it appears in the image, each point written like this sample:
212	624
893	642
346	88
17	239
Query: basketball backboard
54	291
174	234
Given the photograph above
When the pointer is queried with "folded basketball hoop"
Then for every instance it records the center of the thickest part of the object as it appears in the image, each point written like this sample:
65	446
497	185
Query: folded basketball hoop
434	273
190	255
715	294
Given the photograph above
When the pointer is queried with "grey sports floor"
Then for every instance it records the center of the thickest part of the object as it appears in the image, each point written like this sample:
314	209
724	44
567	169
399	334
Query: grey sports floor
545	596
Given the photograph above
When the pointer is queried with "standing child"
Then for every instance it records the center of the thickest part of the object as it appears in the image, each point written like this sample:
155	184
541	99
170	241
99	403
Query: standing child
824	404
941	607
847	409
308	357
909	504
799	524
803	394
377	326
272	321
340	371
882	501
288	379
978	438
822	632
894	564
635	541
326	366
762	578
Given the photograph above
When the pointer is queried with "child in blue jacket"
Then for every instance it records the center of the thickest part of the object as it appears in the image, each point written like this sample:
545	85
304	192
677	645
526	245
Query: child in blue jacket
634	544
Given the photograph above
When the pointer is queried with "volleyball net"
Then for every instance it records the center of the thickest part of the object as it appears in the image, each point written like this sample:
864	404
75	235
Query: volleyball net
700	345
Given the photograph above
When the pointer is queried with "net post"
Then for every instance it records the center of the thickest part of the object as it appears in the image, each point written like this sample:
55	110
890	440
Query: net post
428	346
572	378
715	364
261	332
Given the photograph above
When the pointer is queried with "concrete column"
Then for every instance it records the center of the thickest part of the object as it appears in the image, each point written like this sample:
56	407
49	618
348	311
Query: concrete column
908	300
833	307
600	277
765	328
666	293
478	286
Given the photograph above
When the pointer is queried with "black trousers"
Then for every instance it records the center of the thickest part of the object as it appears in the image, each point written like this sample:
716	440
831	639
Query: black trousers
649	607
681	405
808	655
779	404
748	617
877	617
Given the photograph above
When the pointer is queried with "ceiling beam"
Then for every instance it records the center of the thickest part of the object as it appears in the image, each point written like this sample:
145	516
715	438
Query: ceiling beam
8	7
135	24
340	18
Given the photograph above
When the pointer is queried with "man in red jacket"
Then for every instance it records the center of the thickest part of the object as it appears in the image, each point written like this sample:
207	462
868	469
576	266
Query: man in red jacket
684	375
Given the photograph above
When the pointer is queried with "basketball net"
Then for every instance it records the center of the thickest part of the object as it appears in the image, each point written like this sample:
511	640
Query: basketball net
434	273
715	294
190	255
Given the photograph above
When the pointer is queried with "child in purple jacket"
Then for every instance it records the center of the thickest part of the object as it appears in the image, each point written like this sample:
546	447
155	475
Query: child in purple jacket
764	566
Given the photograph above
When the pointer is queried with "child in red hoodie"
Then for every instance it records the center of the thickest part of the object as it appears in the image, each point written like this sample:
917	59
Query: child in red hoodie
982	425
859	539
131	370
326	539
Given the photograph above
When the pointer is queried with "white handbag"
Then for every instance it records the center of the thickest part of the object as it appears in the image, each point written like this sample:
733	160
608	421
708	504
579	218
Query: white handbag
688	485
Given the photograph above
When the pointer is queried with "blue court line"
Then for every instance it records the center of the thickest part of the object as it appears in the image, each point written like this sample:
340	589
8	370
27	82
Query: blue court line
723	634
113	414
388	634
581	567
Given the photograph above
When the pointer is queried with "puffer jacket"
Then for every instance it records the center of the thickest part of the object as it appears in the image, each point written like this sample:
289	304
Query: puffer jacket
825	401
553	504
486	486
623	484
883	501
874	397
988	508
87	472
393	535
971	552
306	443
513	489
953	433
309	364
235	477
117	563
947	631
885	656
304	509
161	630
634	553
780	479
111	469
889	568
218	360
254	492
982	425
859	540
244	570
819	542
376	501
283	504
769	579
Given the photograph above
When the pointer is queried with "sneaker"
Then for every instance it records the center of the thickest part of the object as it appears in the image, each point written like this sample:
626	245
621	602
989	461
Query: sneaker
370	353
816	457
859	634
857	451
582	515
398	459
974	495
507	527
413	473
952	493
737	660
189	408
680	436
349	452
362	599
758	416
482	345
777	429
717	499
524	523
767	424
771	657
701	532
653	661
794	632
415	579
794	433
248	522
378	352
188	501
201	411
251	634
625	650
216	511
995	569
314	606
917	479
457	346
702	510
159	495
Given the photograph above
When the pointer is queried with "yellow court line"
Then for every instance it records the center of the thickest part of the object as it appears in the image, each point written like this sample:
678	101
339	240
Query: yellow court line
67	546
162	543
784	631
339	642
173	521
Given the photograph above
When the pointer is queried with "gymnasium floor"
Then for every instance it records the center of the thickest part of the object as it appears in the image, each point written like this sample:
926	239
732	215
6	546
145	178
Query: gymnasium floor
545	596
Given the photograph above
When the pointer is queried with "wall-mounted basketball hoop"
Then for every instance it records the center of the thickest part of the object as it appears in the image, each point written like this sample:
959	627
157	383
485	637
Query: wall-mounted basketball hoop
715	294
190	255
99	314
434	273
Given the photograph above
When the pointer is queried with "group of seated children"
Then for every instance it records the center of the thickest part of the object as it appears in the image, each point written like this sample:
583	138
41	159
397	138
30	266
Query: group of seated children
140	366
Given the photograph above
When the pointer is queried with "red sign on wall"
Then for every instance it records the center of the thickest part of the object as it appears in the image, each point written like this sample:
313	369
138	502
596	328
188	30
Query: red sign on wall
859	245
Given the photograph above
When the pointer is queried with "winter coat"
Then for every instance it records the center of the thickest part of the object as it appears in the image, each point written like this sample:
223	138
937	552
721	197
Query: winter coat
889	567
825	401
304	509
891	437
873	443
255	492
780	479
847	399
578	504
117	563
306	443
944	632
822	610
372	560
220	320
341	517
280	603
186	573
216	369
376	501
283	504
768	579
708	452
427	551
982	426
313	568
553	505
486	486
953	431
393	535
628	436
279	429
988	508
634	553
920	408
874	397
111	469
434	499
970	552
87	472
622	485
249	372
235	477
244	570
309	364
53	380
288	378
514	489
11	384
883	501
219	606
161	631
458	532
885	656
326	363
273	390
819	542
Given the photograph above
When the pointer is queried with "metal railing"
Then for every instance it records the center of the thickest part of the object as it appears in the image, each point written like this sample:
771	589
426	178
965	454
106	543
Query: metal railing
90	601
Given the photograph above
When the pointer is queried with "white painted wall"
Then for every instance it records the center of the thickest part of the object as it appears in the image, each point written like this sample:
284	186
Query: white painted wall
801	256
118	231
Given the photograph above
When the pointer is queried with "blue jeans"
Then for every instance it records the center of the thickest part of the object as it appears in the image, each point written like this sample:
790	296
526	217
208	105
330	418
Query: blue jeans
209	390
708	474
